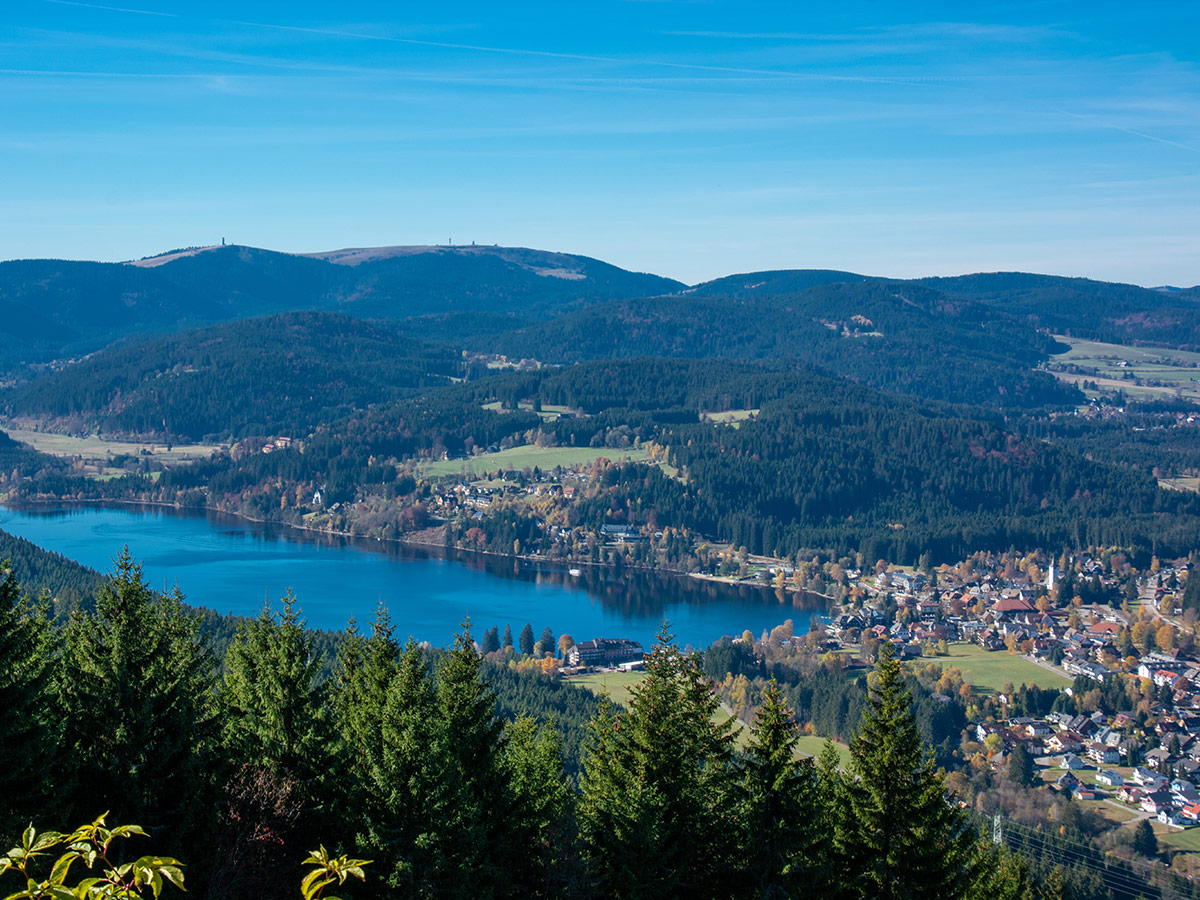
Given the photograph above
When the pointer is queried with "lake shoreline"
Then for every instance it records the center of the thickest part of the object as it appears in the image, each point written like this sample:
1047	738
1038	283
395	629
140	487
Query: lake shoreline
227	563
435	547
365	540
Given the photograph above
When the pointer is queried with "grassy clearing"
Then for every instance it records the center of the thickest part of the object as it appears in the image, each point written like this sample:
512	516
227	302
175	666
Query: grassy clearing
811	745
93	456
94	448
1161	371
529	456
734	417
548	410
1118	815
1180	484
1188	839
615	684
990	671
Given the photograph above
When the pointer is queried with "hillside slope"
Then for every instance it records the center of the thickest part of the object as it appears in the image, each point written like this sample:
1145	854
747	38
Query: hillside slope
283	373
824	464
894	335
56	308
1080	307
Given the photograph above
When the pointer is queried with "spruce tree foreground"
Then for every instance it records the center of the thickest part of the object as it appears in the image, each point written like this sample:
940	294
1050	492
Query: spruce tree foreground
239	766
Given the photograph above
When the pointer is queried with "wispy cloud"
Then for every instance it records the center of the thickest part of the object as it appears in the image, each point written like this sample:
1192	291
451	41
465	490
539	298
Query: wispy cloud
1114	126
120	9
973	30
581	57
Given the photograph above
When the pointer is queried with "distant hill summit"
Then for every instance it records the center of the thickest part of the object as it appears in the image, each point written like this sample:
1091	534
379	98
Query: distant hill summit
1080	307
896	335
776	281
59	308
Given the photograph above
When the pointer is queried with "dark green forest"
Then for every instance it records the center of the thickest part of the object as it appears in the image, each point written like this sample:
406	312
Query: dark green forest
301	369
1080	307
58	308
239	765
897	336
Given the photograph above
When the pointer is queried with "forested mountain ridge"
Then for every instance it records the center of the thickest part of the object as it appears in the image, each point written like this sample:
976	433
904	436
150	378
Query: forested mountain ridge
894	335
284	373
1081	307
774	281
56	308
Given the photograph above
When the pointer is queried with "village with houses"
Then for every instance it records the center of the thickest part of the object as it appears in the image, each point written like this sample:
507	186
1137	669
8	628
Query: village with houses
1129	656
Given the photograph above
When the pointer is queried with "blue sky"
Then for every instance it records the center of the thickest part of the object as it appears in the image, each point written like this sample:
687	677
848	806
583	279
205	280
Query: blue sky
692	139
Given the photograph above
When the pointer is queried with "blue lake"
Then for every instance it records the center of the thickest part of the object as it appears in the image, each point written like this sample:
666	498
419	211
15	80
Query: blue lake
230	565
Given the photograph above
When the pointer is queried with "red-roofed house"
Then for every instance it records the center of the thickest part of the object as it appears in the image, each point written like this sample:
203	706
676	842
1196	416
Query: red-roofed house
1011	606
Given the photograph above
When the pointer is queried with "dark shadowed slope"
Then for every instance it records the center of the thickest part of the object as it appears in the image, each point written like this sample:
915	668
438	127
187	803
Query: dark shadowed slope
55	308
283	373
1099	310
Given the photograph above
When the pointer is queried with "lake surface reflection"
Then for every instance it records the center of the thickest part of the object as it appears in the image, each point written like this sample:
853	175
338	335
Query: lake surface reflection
231	565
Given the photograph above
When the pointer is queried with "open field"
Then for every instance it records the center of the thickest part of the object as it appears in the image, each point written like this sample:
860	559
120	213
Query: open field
1161	371
1118	815
811	745
527	457
548	410
734	417
1188	839
1180	484
616	684
990	671
96	453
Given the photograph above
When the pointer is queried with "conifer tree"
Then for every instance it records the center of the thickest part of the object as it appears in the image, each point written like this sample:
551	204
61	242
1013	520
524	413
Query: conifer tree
401	822
491	641
527	639
1020	766
507	643
138	711
28	729
545	643
365	670
783	848
1145	841
1001	876
469	743
657	785
833	813
541	819
274	700
903	836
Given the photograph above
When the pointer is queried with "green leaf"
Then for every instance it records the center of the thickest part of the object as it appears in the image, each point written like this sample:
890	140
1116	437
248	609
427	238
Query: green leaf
47	839
58	874
173	874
